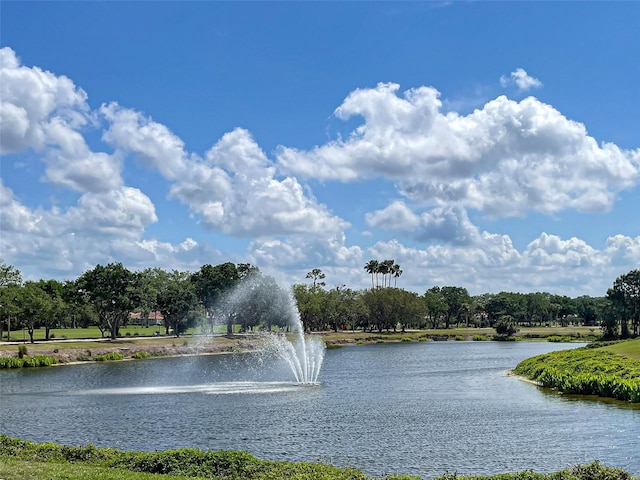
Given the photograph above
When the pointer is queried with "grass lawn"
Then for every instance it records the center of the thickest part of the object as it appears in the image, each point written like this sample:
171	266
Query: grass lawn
576	332
12	469
629	348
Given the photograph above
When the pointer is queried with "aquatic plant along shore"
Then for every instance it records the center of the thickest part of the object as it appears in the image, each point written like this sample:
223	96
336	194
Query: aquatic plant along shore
587	371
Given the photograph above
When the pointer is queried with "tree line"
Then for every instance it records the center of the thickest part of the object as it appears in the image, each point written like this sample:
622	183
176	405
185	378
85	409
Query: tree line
242	297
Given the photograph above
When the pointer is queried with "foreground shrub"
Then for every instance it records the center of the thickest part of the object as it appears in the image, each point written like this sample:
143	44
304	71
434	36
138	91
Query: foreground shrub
187	462
108	356
590	471
236	465
26	362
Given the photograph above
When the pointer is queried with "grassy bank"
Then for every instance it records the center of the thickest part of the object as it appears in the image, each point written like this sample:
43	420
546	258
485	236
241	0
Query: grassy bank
24	460
609	371
80	346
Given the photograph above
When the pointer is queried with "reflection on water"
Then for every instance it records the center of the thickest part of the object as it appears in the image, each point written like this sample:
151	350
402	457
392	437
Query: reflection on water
220	388
415	408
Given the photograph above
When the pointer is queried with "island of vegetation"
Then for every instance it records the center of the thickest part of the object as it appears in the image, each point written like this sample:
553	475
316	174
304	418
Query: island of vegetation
604	370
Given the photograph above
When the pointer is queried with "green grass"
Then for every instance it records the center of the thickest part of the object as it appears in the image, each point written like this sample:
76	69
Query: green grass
628	348
58	461
587	371
12	469
574	332
24	460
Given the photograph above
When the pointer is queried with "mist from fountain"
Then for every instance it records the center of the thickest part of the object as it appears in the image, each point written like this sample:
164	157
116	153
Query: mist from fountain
304	354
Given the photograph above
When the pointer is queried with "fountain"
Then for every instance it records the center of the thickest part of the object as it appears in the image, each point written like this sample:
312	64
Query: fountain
305	354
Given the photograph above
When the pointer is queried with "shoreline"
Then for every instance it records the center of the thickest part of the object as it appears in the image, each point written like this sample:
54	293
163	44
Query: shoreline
81	351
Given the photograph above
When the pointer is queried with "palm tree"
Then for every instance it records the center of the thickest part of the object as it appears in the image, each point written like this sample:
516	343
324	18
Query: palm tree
372	268
396	271
385	269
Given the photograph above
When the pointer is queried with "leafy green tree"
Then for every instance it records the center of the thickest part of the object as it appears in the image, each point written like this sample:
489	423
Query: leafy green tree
352	310
146	285
435	304
213	286
35	307
109	289
9	275
506	303
309	301
58	309
608	320
624	296
258	301
455	298
587	309
390	307
177	301
9	308
78	311
506	325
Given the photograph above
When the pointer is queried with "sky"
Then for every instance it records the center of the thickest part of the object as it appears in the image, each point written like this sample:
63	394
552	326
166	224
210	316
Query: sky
493	146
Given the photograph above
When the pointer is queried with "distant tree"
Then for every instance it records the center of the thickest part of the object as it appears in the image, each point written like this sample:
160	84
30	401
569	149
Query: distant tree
455	298
309	301
608	320
214	284
177	301
435	304
389	308
624	297
9	275
260	302
587	309
109	289
58	310
396	271
34	307
506	325
9	308
146	285
317	276
372	268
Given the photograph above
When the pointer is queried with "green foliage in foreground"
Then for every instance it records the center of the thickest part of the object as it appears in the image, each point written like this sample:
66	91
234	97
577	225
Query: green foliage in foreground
591	471
24	460
185	462
587	372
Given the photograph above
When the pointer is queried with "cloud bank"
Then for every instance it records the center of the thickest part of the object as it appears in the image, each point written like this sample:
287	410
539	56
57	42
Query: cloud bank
505	159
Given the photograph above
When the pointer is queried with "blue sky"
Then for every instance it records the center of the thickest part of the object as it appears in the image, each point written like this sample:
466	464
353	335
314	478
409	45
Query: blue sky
489	145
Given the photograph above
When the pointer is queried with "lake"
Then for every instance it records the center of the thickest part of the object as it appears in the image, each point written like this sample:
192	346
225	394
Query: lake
415	408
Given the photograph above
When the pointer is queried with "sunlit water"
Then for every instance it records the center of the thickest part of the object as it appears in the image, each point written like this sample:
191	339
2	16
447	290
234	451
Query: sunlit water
419	408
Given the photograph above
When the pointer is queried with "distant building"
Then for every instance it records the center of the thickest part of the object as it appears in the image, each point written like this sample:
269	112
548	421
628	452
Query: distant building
154	318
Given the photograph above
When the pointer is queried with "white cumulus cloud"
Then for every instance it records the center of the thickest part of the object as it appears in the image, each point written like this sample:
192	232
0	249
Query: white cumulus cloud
504	159
233	189
522	79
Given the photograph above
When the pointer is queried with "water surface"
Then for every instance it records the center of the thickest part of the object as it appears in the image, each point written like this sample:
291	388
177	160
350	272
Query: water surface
416	408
